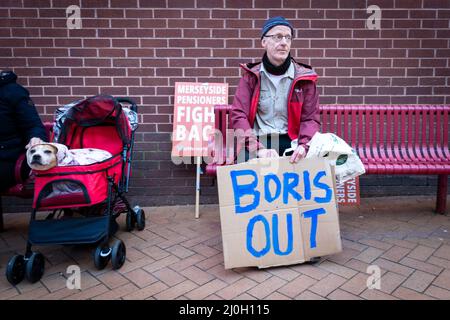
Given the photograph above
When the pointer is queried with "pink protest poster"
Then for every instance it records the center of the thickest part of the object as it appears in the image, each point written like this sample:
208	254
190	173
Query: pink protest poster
193	121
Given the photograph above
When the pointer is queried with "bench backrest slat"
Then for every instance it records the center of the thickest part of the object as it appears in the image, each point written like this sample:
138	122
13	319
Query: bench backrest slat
417	118
383	133
377	131
339	124
404	127
439	133
346	128
409	142
395	126
431	133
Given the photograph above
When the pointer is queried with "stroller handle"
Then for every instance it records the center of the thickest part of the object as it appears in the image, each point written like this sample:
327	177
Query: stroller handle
128	100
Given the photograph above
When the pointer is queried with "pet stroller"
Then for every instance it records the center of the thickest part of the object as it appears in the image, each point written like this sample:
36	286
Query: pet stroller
87	214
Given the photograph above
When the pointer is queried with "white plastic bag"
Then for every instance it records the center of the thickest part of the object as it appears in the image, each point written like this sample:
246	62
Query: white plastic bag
345	160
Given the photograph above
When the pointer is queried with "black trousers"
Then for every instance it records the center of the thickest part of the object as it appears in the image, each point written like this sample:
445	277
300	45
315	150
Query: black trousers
279	142
7	174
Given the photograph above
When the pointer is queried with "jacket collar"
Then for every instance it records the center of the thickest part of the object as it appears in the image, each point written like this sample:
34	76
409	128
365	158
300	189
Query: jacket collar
301	70
289	73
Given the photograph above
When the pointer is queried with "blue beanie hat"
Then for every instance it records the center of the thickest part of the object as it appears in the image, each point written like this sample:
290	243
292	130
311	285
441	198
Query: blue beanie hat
275	21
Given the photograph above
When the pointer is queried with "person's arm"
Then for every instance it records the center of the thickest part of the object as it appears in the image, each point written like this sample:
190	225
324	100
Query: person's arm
241	112
309	120
28	121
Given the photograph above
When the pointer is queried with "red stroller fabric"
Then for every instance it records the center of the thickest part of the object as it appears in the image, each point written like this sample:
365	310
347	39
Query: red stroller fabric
92	181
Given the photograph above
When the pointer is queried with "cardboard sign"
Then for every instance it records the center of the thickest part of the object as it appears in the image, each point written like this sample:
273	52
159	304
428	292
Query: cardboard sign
193	121
275	213
347	193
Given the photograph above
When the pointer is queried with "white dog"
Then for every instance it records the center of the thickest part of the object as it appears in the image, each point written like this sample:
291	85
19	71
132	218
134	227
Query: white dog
45	156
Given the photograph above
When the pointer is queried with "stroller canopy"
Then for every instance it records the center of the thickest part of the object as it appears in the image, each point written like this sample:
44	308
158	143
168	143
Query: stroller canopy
95	111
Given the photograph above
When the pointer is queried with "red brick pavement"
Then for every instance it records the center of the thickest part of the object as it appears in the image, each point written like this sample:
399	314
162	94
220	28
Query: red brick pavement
179	257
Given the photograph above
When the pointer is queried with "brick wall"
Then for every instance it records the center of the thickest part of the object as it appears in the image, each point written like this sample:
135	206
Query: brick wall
140	48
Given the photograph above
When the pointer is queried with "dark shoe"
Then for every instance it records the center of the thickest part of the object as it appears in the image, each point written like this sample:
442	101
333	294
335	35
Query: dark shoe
313	260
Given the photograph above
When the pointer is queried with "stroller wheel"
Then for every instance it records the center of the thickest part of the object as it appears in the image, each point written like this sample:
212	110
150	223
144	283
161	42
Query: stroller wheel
140	219
102	255
118	254
15	270
34	268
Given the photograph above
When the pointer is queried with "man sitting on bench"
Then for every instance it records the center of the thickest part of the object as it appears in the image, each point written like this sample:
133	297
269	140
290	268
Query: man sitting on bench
276	101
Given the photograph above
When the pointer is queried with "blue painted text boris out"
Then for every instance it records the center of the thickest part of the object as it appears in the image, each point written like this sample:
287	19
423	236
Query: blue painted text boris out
282	188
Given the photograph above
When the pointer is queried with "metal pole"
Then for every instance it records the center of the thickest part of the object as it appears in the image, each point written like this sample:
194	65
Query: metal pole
197	190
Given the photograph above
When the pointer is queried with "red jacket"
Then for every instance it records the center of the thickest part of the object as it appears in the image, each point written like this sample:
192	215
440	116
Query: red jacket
303	103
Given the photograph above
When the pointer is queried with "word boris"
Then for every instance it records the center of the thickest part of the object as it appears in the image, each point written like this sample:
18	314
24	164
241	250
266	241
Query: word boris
282	188
287	187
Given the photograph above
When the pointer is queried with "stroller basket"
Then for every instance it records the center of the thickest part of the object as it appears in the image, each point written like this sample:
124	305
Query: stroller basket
70	231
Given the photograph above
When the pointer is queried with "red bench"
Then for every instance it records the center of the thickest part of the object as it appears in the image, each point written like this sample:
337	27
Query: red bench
389	139
22	189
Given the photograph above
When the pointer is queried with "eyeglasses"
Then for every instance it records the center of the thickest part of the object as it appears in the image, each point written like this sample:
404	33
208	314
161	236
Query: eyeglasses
279	37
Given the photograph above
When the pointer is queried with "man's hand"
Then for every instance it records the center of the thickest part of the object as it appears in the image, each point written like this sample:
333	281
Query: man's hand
33	141
267	153
298	154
